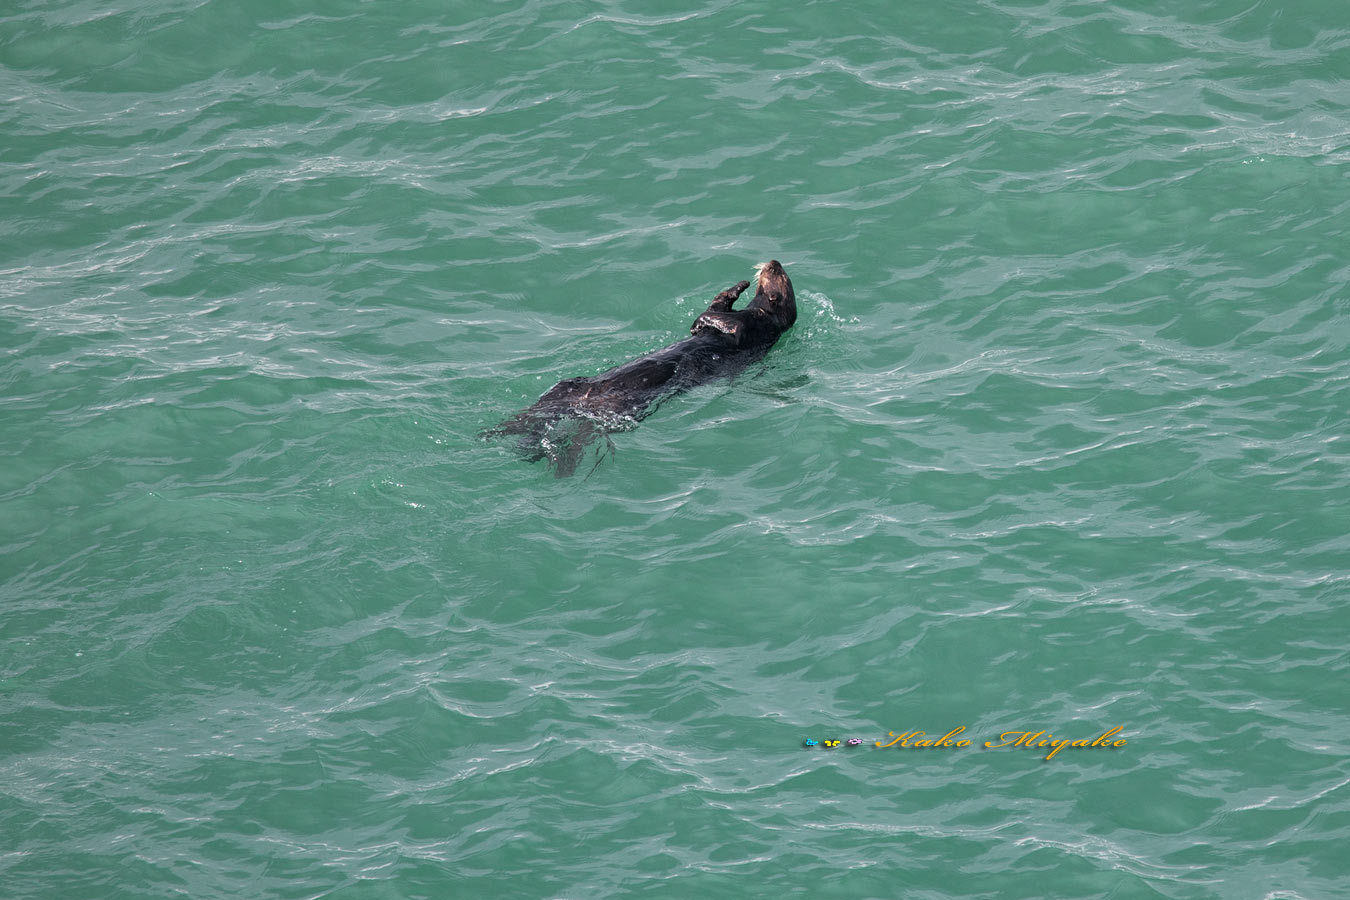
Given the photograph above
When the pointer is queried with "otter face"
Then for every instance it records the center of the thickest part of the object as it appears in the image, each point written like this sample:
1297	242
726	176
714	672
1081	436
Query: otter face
773	295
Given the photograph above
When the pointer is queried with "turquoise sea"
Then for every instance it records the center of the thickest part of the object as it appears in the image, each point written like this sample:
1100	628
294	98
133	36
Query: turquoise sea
1058	444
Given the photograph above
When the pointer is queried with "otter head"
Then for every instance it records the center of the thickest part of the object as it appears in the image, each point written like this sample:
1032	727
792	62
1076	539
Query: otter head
773	295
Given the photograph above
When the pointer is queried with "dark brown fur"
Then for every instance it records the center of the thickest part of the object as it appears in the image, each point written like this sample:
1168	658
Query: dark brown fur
722	342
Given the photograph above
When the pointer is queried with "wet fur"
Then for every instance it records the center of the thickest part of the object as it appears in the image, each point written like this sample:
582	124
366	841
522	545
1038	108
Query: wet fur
722	342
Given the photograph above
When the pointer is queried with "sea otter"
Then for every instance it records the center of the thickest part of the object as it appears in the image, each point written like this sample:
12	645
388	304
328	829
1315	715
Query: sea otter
722	342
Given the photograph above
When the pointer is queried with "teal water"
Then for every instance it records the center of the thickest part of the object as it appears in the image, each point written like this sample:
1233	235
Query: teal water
1058	444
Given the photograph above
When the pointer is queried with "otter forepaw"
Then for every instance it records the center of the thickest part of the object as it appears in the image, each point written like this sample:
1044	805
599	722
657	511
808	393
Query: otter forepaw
722	302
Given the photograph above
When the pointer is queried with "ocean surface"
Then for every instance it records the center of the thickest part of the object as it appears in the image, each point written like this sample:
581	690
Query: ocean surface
1056	452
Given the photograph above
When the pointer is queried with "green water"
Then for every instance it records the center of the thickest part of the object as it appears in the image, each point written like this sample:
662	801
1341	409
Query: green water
1058	443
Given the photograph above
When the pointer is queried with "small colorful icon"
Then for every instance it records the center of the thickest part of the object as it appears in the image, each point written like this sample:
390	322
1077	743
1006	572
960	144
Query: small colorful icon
810	743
